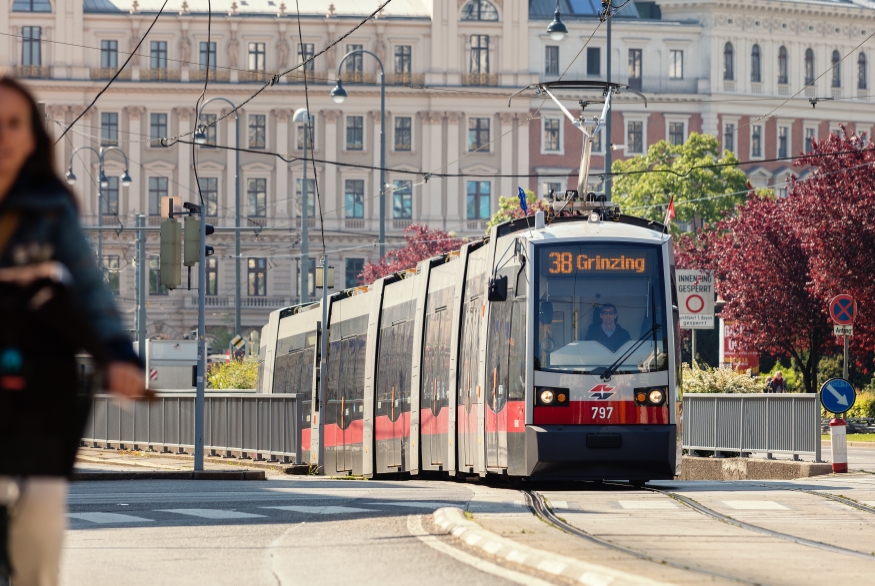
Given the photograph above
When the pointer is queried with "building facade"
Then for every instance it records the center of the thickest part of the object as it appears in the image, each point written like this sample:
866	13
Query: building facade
453	144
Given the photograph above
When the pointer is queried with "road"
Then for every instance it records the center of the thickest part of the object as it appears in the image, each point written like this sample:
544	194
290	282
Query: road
291	529
279	531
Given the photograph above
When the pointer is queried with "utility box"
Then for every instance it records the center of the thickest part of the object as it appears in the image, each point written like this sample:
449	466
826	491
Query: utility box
168	364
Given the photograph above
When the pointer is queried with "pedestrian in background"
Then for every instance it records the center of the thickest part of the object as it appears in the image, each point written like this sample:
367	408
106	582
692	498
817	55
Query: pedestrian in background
777	384
53	303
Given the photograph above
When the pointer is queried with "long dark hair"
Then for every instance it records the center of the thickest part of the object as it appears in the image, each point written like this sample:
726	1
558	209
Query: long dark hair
39	168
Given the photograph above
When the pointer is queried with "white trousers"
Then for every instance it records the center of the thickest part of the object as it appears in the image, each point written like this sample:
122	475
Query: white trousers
37	521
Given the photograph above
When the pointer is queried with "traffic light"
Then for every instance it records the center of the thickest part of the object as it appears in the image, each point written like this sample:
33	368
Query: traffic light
193	238
171	253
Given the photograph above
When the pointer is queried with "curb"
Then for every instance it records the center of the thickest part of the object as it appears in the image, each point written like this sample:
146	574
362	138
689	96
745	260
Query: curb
453	521
296	469
78	476
870	445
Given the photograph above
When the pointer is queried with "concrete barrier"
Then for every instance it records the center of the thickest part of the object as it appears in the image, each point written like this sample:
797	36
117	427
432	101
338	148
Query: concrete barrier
696	468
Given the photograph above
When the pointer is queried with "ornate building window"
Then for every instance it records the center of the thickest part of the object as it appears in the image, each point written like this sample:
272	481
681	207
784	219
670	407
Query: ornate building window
783	78
836	69
728	62
479	10
862	72
756	70
809	66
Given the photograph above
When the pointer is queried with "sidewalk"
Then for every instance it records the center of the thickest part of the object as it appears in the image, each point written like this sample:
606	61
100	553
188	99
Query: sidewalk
100	464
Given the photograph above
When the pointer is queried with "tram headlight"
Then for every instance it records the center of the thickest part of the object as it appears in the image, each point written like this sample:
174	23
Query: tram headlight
546	397
656	397
651	396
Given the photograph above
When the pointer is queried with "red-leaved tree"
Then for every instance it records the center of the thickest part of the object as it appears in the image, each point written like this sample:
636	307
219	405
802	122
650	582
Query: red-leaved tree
834	212
421	242
762	271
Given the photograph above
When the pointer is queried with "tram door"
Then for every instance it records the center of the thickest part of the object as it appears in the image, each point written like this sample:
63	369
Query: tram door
497	384
467	420
435	395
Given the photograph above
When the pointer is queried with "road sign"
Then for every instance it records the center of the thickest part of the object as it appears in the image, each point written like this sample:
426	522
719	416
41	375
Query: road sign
837	395
843	309
843	330
695	299
237	341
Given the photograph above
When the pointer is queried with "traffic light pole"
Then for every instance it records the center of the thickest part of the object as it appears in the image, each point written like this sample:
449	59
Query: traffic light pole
608	151
201	345
141	286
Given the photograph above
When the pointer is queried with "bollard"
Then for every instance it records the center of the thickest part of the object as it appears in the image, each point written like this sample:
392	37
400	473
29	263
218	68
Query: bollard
838	432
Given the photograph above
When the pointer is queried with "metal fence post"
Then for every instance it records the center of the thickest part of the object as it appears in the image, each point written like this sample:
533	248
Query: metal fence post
768	428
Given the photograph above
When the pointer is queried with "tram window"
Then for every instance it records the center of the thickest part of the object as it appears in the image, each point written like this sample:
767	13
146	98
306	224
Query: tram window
606	301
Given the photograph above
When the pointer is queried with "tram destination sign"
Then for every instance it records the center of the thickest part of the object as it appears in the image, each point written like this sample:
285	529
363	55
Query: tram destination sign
695	291
591	260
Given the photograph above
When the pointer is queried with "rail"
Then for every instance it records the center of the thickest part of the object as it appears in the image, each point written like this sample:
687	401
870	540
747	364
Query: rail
753	423
257	426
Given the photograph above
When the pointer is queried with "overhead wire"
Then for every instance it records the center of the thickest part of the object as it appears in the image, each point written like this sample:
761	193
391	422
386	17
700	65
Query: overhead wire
115	76
308	136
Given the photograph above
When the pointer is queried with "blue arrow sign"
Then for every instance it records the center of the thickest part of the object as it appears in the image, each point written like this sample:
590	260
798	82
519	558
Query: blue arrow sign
837	395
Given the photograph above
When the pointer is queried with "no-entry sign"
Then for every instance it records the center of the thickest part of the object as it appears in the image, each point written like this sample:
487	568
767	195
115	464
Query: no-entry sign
695	299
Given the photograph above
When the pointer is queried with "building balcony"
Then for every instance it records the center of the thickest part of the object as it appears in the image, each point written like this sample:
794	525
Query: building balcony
160	74
103	73
32	71
354	223
480	79
783	89
311	223
254	76
401	224
405	78
215	75
756	87
663	85
154	220
477	225
810	91
227	301
836	93
728	85
256	222
358	77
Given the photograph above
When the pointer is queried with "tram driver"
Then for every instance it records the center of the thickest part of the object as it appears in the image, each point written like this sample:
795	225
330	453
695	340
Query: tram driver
608	333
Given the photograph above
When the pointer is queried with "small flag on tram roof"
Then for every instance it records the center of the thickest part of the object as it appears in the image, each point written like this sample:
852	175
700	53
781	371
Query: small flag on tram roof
523	204
669	213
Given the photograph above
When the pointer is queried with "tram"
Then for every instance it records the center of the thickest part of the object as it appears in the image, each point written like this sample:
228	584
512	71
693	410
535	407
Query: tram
549	350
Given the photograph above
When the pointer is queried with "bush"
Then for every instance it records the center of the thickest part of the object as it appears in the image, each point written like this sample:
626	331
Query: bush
864	406
237	374
719	380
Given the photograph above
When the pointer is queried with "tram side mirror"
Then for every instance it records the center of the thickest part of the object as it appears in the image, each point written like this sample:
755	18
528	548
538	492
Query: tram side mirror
498	289
546	313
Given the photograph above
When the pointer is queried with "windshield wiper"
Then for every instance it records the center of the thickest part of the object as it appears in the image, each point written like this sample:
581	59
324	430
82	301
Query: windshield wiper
606	375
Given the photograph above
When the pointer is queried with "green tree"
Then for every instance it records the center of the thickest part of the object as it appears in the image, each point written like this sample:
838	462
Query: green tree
509	208
237	374
643	193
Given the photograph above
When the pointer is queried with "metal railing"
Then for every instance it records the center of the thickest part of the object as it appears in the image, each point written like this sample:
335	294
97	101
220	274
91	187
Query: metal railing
257	426
748	423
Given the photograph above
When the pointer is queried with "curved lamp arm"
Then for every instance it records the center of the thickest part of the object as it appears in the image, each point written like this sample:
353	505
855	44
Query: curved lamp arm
351	53
200	135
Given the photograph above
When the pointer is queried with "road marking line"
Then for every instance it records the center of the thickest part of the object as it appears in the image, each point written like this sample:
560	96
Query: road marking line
212	513
321	510
595	579
103	518
432	505
558	504
869	503
648	504
756	505
414	526
552	567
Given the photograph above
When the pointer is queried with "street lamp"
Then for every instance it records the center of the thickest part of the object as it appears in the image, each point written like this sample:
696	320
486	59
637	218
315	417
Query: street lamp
102	183
557	29
302	116
200	138
338	94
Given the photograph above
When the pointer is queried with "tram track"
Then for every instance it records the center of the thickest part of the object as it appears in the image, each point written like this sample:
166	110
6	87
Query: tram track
538	505
826	495
709	512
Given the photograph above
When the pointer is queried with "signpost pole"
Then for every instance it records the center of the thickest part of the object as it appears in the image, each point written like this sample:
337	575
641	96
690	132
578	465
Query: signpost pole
693	359
845	366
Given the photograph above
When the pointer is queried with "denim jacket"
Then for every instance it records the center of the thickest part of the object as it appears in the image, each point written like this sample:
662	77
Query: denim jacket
48	229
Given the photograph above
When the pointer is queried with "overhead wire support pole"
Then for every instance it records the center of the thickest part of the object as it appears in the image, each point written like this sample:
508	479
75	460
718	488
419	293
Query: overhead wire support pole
141	286
200	137
607	142
201	346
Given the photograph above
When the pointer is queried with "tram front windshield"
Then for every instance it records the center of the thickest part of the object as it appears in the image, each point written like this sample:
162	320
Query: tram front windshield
601	306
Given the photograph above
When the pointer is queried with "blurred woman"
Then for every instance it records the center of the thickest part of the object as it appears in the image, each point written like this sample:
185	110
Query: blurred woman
53	303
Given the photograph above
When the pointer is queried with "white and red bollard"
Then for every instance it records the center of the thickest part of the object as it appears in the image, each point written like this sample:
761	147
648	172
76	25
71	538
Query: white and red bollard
838	432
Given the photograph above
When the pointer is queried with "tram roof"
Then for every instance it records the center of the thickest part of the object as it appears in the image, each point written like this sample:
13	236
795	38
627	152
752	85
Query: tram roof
584	229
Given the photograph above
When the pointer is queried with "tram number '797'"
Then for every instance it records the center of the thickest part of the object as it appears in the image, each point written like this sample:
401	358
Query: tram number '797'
602	412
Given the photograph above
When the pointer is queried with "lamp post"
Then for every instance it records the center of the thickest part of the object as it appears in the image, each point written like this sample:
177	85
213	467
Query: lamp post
338	94
557	29
303	116
102	183
607	142
200	137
